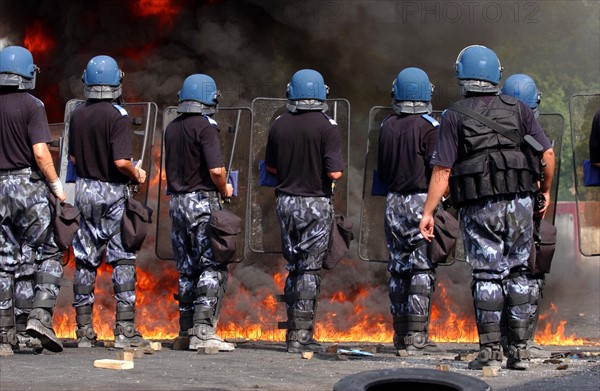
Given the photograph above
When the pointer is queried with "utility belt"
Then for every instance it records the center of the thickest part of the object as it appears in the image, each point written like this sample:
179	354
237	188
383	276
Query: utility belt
34	175
203	193
279	193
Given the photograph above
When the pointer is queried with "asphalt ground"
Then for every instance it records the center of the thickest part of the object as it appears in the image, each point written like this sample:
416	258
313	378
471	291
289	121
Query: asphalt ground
267	366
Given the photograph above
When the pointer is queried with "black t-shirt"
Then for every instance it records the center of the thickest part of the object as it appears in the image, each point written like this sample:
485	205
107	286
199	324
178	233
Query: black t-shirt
406	143
304	147
445	153
23	123
595	139
192	148
99	135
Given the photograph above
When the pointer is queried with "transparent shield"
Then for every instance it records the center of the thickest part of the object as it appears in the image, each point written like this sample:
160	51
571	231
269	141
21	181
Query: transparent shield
56	132
142	117
553	124
235	124
582	109
265	235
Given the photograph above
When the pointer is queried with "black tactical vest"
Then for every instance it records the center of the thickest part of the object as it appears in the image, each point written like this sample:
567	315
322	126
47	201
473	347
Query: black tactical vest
489	164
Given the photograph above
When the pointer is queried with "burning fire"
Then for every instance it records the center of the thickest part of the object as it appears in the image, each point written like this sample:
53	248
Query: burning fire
157	314
165	10
37	40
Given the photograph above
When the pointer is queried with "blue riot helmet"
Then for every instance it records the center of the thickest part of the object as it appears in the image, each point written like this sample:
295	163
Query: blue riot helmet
412	84
17	68
307	91
411	92
198	94
478	69
523	88
102	78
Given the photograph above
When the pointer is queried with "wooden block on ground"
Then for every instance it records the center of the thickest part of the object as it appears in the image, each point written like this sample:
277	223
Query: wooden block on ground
109	344
181	343
208	350
137	353
307	355
442	367
490	371
113	364
124	356
155	346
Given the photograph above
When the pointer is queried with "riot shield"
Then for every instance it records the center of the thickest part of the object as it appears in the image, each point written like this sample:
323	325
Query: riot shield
371	240
553	124
582	109
142	117
56	132
234	124
265	236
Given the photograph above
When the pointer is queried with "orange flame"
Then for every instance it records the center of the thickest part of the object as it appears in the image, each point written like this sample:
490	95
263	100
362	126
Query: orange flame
37	40
166	10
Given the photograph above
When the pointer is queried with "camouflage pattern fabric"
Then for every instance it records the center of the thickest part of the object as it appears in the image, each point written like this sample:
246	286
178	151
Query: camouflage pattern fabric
305	229
497	236
24	281
194	259
101	205
402	217
25	217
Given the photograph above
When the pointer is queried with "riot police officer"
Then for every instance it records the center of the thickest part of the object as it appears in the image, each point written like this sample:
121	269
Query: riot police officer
100	147
196	176
406	142
523	87
26	171
304	152
492	171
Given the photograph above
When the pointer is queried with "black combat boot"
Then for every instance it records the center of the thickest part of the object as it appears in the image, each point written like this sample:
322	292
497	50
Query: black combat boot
39	325
86	336
299	341
126	334
8	335
518	354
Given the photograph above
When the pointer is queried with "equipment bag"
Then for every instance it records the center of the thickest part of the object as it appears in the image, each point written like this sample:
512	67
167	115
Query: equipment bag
544	245
65	220
445	232
339	241
134	225
223	228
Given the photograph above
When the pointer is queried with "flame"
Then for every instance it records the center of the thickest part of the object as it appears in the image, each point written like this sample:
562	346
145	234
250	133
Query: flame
165	10
37	40
546	336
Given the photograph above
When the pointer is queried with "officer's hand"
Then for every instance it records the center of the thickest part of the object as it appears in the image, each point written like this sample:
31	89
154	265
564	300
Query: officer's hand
62	196
542	212
141	175
426	227
229	190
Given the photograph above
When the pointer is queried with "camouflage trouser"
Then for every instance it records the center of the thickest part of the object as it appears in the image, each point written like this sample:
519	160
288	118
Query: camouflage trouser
408	265
101	205
201	279
536	291
497	237
305	230
24	282
25	225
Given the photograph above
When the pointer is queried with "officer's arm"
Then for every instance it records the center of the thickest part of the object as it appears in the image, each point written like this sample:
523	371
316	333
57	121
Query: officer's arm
549	159
437	187
219	178
335	175
126	167
44	161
